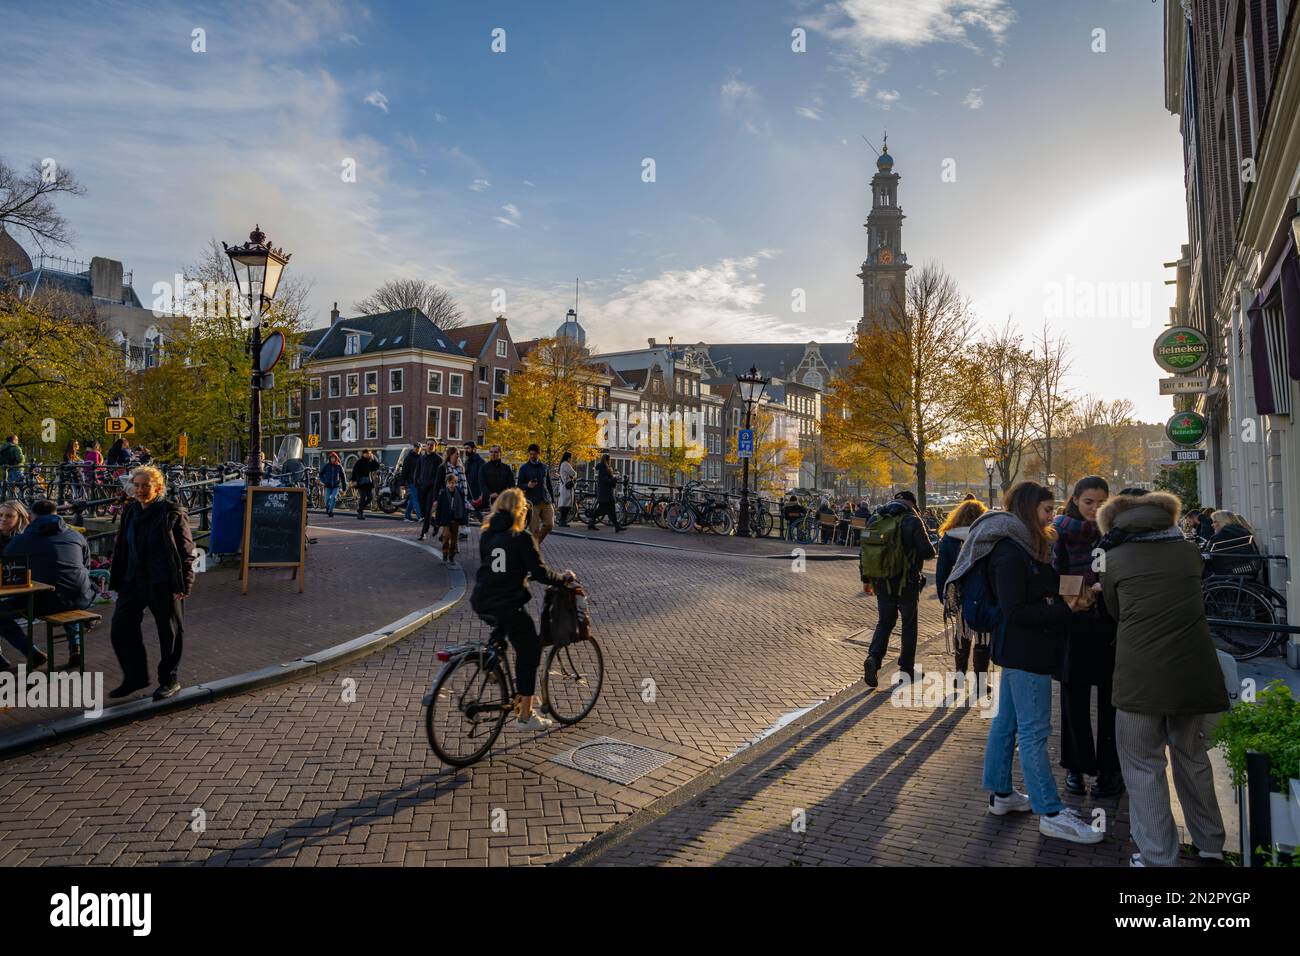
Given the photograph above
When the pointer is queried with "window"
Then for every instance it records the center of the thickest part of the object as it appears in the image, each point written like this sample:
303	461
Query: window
455	384
354	384
314	390
502	348
394	380
334	434
435	382
313	423
433	422
351	425
394	421
453	424
295	405
372	423
334	386
372	383
482	406
500	386
483	374
352	344
295	360
735	418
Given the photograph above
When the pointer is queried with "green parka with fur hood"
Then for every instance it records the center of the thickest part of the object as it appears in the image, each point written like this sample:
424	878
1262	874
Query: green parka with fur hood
1165	661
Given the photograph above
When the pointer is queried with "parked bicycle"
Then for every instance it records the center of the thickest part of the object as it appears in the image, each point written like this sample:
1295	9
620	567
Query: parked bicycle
1240	596
698	509
474	692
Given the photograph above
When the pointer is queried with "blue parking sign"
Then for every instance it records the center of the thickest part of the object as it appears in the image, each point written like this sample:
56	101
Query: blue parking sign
745	443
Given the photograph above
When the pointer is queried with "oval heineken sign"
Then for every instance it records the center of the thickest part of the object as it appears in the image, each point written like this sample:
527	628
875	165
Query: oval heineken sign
1186	428
1181	349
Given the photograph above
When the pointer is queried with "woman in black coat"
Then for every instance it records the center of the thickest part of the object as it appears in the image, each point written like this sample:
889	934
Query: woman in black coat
508	559
363	478
152	569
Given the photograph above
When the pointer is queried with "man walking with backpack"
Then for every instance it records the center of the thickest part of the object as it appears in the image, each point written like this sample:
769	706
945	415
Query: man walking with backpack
895	547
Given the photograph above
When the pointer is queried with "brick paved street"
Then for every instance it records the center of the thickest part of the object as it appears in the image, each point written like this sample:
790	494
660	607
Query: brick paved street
293	775
228	634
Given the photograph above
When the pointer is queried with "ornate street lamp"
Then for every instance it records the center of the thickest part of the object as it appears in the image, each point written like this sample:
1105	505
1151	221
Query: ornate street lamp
1051	482
752	385
258	267
116	406
989	465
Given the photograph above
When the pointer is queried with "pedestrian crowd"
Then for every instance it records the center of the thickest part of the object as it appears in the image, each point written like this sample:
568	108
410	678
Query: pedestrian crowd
1102	595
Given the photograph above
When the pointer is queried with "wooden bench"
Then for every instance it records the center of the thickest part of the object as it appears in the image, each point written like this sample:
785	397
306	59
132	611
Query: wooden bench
63	619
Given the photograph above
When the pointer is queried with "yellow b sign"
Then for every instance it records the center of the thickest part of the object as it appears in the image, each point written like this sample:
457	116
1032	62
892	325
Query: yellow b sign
313	441
183	445
119	426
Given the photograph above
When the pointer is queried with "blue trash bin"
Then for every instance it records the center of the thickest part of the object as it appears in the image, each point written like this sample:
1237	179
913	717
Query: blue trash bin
227	535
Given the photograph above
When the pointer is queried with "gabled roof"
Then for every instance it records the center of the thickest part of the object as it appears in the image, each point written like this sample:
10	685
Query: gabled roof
775	359
635	377
473	339
523	348
311	338
77	284
616	378
386	332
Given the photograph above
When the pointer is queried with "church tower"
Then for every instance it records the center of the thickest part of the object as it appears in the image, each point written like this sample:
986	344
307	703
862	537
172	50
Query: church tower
884	271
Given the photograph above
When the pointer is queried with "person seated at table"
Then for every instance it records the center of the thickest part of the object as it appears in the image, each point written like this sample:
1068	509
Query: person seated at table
59	557
794	514
828	530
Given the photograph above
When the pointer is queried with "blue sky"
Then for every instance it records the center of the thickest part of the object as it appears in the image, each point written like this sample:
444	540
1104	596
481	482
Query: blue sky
522	170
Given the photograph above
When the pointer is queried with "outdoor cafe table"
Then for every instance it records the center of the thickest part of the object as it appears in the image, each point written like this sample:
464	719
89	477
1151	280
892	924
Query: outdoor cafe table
30	591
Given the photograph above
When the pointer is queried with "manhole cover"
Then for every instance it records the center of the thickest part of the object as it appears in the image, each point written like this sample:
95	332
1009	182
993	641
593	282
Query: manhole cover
614	760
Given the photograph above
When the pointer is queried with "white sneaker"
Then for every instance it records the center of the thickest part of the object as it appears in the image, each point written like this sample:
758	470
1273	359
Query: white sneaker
535	721
1068	825
1136	860
1001	806
1209	855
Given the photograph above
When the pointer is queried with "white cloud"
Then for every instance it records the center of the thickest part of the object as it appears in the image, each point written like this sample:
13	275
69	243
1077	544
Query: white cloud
740	99
974	99
887	98
506	222
479	185
511	210
807	112
439	118
349	39
864	30
527	183
377	99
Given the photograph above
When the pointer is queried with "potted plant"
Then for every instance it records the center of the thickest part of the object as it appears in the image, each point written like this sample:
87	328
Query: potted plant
1269	726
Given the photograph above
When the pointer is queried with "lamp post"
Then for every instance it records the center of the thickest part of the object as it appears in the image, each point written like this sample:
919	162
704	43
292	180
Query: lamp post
1051	482
258	267
752	386
989	463
116	406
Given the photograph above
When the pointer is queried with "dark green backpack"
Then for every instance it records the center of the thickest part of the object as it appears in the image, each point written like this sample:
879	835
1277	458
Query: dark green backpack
884	556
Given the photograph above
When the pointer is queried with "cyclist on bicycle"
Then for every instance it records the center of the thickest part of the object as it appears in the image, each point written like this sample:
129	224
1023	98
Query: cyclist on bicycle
508	558
794	514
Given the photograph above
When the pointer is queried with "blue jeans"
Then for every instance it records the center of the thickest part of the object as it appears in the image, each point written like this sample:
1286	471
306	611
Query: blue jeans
792	530
15	635
331	496
413	503
1024	710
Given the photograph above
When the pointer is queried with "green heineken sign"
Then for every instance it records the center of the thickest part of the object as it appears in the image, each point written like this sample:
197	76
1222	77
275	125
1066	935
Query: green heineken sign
1181	349
1186	428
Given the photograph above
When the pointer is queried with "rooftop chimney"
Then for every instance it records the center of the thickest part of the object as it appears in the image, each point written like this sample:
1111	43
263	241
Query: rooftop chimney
334	314
106	279
652	342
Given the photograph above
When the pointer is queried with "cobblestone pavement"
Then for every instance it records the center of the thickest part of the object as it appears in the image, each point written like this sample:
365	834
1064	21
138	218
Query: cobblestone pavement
294	775
227	633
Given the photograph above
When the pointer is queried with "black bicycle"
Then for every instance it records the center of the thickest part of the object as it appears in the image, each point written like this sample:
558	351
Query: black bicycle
474	692
1239	597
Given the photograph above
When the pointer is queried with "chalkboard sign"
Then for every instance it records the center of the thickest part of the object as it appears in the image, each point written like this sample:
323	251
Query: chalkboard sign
15	572
275	530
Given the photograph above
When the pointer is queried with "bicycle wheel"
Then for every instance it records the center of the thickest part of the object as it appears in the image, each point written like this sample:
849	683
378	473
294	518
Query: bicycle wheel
571	680
659	512
762	522
680	517
1243	602
466	710
720	521
386	503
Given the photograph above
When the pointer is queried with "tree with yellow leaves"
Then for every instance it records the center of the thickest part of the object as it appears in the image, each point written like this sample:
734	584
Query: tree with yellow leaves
776	457
908	386
545	406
